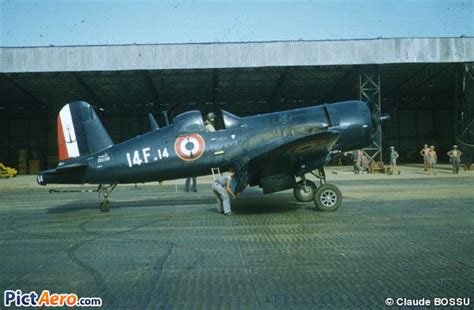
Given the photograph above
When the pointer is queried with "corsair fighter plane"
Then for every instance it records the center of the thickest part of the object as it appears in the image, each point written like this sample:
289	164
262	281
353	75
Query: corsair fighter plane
274	151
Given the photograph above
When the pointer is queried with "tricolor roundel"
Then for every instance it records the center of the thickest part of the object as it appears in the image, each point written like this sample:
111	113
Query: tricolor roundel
190	147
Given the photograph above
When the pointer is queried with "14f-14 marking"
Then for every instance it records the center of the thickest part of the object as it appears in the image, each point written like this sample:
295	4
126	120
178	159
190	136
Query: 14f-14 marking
136	159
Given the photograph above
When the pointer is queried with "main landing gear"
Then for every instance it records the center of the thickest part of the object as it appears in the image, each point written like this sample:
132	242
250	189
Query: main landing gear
326	197
105	190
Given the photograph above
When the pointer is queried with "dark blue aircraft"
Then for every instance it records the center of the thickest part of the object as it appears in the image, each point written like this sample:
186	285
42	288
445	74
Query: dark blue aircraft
274	151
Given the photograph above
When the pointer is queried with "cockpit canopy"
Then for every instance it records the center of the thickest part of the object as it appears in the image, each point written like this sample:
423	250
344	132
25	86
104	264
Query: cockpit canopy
188	122
191	121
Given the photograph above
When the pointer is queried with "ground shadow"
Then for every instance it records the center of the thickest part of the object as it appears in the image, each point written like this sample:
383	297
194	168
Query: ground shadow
253	203
247	203
116	204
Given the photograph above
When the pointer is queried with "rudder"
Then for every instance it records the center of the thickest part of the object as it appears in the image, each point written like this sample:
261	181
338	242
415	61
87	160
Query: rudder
80	131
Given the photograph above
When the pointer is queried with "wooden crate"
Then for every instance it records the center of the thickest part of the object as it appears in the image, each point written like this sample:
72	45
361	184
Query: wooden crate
52	161
34	166
22	171
376	167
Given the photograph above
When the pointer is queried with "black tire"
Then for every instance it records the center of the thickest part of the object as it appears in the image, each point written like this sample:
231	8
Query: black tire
303	194
328	197
104	206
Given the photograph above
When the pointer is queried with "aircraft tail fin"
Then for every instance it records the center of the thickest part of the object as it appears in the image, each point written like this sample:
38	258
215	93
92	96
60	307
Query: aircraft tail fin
80	131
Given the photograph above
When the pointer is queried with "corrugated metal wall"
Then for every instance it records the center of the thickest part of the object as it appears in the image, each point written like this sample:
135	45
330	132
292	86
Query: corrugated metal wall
236	55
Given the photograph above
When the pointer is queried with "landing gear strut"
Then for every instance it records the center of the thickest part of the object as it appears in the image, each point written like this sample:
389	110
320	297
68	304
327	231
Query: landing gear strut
105	191
326	197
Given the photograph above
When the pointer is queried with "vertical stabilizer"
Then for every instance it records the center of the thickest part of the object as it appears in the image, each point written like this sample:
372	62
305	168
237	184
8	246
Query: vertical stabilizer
80	131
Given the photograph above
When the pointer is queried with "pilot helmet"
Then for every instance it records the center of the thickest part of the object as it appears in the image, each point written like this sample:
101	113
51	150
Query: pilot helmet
211	116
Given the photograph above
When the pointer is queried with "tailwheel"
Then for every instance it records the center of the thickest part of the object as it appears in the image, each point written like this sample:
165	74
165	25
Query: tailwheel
104	206
105	190
328	197
304	191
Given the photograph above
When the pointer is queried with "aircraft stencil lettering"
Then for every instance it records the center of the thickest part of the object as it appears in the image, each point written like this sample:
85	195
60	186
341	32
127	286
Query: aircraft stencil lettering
103	158
274	151
138	157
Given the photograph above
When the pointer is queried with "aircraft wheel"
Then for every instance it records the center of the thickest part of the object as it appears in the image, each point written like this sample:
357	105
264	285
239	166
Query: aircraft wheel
304	193
328	198
104	206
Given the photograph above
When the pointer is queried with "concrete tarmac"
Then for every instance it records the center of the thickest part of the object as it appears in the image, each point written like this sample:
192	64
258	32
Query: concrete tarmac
408	236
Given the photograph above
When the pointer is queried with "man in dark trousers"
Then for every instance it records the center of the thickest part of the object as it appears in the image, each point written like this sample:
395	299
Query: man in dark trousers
455	158
187	184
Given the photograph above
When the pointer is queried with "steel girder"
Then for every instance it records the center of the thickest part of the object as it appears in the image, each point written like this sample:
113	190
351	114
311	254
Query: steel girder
369	91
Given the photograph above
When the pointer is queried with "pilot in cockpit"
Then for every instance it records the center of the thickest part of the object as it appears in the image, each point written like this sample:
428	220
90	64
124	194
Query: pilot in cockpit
210	122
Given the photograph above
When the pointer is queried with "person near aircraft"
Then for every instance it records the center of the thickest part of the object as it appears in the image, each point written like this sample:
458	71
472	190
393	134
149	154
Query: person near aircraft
455	158
365	163
210	122
393	161
424	152
432	160
222	188
187	184
357	155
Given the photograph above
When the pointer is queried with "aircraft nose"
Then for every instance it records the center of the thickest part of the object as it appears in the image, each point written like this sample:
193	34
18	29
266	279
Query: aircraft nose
384	117
379	118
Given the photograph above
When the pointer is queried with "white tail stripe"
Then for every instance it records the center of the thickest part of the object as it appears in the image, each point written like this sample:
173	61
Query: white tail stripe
68	131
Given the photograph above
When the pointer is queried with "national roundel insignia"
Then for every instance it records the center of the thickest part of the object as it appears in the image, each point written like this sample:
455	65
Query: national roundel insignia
189	147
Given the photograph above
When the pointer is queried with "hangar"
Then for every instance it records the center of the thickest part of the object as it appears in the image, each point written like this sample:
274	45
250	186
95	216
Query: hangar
425	84
395	237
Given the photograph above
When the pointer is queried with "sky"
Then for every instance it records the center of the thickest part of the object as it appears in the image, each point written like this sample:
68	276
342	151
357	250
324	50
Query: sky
97	22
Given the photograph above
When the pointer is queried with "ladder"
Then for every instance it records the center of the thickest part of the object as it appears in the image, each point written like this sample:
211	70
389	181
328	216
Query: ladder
216	172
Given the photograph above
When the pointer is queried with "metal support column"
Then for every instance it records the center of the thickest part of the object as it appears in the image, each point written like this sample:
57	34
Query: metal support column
466	120
369	91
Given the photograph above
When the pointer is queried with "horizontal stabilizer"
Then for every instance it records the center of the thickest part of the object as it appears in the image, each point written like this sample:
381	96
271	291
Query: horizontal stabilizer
71	167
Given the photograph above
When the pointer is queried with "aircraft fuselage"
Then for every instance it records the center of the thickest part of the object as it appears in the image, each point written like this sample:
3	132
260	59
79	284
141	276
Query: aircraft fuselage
169	153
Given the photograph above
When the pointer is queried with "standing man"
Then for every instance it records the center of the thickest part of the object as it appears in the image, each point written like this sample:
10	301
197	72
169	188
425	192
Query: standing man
432	160
223	191
455	158
210	122
393	161
357	156
188	181
424	152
